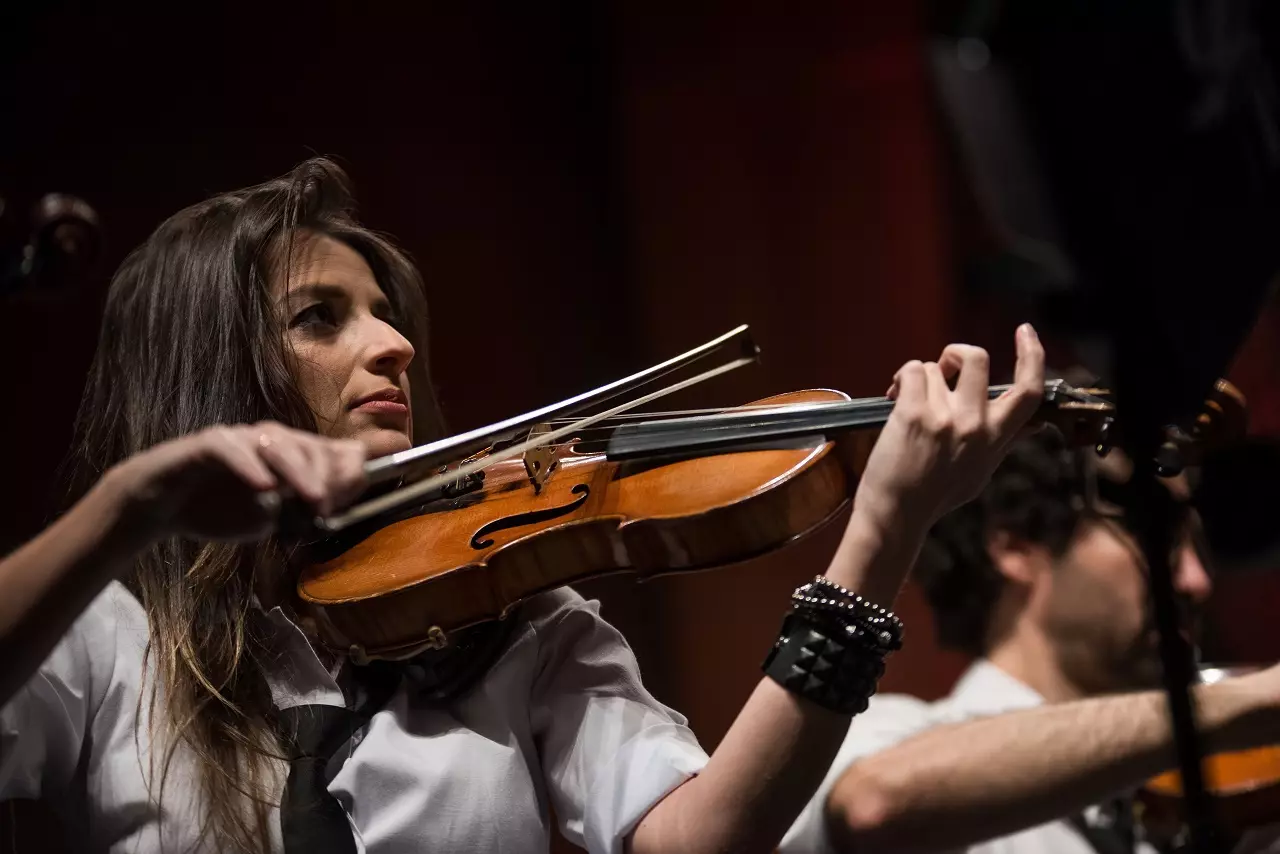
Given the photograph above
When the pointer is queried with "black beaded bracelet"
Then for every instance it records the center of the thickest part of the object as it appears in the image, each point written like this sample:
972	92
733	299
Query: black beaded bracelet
862	606
877	632
823	595
825	662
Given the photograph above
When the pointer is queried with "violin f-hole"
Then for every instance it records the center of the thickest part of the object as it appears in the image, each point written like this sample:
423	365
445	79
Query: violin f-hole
479	541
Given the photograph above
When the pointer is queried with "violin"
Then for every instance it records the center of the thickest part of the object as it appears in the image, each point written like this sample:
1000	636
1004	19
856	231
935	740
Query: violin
1245	783
474	524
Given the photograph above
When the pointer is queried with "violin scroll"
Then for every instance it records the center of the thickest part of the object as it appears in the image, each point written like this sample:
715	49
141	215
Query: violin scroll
1223	420
1086	416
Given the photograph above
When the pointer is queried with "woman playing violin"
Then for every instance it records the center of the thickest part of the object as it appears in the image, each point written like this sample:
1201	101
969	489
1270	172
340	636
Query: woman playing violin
263	342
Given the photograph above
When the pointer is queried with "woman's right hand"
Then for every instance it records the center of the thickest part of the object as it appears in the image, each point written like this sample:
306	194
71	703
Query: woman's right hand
223	483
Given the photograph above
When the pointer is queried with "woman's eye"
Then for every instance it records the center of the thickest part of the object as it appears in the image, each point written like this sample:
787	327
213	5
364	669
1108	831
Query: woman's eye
318	314
394	320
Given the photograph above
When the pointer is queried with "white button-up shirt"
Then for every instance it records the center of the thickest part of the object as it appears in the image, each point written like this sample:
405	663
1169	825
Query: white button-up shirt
984	689
560	721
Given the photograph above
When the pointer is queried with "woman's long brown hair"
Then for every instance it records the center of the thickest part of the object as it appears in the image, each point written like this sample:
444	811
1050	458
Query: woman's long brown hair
189	339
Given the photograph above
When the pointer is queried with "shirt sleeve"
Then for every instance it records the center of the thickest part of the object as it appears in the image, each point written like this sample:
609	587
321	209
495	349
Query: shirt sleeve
43	727
610	751
888	720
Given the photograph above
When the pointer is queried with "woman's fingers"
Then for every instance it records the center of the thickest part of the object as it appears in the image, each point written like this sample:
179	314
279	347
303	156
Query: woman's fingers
971	368
1013	409
226	446
938	395
286	454
912	388
346	470
226	483
327	473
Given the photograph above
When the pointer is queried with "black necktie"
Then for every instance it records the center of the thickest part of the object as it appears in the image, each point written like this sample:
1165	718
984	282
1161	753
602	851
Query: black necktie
311	819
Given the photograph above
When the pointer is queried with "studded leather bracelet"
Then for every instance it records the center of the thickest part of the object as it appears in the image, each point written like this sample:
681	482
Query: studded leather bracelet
832	647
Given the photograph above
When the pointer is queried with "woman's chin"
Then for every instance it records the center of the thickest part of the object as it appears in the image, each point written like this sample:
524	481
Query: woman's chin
380	443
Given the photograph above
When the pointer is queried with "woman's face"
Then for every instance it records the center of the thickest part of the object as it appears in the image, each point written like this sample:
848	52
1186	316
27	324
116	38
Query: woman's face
348	358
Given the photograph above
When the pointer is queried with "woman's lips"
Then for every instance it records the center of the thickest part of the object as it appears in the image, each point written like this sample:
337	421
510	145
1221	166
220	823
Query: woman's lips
386	401
389	407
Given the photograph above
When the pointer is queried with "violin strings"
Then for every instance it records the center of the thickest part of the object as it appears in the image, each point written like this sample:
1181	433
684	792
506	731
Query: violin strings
641	417
808	406
849	405
607	426
711	416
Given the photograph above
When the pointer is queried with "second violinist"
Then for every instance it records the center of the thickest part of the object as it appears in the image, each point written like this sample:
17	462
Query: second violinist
1045	743
160	692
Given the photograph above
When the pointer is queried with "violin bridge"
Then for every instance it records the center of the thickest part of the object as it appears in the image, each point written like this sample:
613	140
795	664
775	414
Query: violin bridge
539	462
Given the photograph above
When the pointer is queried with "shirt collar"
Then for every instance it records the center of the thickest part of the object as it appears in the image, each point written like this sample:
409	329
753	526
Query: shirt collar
986	689
297	677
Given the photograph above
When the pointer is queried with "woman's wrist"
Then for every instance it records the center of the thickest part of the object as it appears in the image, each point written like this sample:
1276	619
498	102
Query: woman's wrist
121	501
876	554
834	640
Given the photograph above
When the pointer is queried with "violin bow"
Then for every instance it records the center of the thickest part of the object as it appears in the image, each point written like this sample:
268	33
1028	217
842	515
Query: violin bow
735	344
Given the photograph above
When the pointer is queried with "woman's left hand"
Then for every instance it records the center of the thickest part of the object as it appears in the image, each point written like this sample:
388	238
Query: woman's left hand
940	445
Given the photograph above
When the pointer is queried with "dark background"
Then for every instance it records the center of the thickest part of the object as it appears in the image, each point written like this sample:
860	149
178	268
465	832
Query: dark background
588	188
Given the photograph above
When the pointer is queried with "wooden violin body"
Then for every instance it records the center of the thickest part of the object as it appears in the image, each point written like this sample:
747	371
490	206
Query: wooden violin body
1245	785
467	559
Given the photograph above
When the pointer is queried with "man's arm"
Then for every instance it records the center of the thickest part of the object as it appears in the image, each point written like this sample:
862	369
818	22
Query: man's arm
965	783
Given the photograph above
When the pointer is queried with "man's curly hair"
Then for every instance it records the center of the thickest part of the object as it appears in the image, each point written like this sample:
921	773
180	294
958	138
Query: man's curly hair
1034	495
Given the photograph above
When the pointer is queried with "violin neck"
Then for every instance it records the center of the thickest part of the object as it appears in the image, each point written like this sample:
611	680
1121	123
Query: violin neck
793	425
